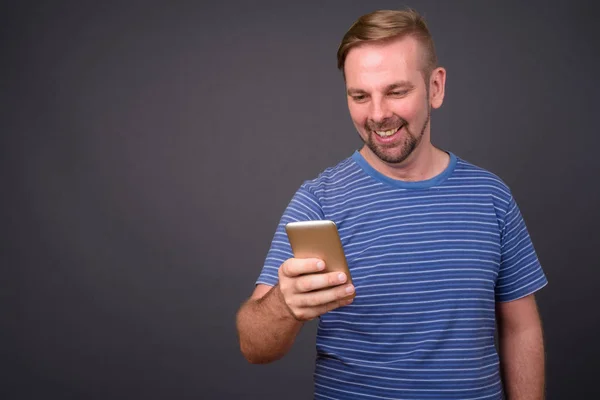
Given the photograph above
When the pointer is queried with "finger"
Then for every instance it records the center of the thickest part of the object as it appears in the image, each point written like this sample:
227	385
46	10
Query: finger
310	282
308	313
336	304
300	266
321	297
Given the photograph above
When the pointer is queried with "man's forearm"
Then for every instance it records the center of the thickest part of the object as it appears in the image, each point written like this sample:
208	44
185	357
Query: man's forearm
522	360
266	328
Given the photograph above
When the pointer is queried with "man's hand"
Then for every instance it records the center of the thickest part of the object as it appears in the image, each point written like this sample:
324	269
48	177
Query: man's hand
270	320
308	292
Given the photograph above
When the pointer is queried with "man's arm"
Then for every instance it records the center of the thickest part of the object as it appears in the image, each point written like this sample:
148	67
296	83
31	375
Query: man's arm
266	329
269	321
521	348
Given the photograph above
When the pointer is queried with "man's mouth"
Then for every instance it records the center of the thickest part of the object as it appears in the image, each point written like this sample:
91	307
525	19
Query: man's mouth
388	132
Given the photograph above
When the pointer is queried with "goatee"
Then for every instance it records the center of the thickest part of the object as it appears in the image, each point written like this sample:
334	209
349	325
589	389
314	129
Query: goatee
409	144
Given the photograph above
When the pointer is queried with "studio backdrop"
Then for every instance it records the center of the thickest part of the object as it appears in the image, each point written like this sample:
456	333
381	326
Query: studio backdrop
149	149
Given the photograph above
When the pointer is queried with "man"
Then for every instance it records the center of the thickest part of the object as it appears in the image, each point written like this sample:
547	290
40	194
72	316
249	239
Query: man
437	249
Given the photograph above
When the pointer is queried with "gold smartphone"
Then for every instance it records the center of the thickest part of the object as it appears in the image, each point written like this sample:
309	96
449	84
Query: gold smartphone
319	239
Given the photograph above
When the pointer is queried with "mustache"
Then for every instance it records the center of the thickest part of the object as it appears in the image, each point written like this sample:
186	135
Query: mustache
386	124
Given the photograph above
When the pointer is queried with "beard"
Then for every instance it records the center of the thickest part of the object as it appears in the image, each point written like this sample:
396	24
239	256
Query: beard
407	145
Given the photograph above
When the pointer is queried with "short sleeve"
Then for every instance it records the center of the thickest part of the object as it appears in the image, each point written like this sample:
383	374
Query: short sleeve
304	206
520	272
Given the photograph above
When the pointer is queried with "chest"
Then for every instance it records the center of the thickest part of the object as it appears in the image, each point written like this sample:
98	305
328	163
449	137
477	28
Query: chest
430	246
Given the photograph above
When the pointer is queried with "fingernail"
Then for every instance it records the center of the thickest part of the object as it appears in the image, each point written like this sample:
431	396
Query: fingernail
320	265
341	277
349	289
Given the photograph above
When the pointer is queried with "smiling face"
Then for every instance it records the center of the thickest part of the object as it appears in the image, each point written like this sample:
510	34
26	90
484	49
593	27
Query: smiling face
388	98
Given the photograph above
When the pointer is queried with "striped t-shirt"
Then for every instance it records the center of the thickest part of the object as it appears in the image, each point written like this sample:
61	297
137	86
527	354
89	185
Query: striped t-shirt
429	260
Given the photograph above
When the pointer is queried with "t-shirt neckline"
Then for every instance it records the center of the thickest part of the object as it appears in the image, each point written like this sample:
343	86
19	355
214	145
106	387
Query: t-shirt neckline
424	184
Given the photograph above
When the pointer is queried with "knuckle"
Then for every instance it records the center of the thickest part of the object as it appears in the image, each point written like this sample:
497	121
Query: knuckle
281	272
286	267
318	281
332	279
299	301
321	298
300	285
284	286
312	301
288	302
296	311
301	314
309	301
308	285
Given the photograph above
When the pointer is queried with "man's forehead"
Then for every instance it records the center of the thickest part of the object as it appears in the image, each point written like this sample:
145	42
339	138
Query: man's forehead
402	53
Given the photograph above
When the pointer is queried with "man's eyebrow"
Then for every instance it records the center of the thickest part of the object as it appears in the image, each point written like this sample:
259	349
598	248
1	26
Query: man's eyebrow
352	91
400	85
396	85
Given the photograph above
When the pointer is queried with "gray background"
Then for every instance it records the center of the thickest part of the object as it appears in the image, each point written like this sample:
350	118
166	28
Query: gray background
149	149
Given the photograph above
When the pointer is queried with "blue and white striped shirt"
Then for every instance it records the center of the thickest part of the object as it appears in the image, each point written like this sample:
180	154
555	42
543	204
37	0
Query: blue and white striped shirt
429	260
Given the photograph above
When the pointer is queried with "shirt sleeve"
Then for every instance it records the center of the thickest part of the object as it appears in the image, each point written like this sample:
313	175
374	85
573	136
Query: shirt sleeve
304	206
520	271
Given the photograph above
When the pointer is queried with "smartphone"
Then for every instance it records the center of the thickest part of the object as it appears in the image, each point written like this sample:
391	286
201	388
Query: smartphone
319	239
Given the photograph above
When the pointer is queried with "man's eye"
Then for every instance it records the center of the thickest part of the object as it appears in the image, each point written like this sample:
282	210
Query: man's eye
398	94
359	98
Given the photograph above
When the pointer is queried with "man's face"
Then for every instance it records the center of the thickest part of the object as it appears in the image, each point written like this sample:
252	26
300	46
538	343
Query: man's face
387	97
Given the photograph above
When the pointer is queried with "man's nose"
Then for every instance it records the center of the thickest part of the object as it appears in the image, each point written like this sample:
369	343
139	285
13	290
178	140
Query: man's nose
379	110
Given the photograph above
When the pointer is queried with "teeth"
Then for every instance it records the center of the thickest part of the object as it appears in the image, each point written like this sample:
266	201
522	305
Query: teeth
387	133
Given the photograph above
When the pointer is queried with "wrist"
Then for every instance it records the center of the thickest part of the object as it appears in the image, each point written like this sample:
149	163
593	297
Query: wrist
281	308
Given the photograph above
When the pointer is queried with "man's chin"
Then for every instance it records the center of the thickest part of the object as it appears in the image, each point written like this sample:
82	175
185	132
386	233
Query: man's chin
395	160
391	156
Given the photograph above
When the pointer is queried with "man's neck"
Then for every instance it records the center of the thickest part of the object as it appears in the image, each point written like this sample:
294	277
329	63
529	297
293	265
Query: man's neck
425	162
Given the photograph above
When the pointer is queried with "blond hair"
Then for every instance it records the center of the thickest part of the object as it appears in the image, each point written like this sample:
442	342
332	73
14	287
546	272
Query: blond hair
385	25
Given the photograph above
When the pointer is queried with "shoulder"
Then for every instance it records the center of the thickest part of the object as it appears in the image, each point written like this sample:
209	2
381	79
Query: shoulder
331	177
470	175
311	194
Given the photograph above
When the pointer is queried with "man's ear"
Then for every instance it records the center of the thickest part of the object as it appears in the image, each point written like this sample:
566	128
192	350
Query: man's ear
437	87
